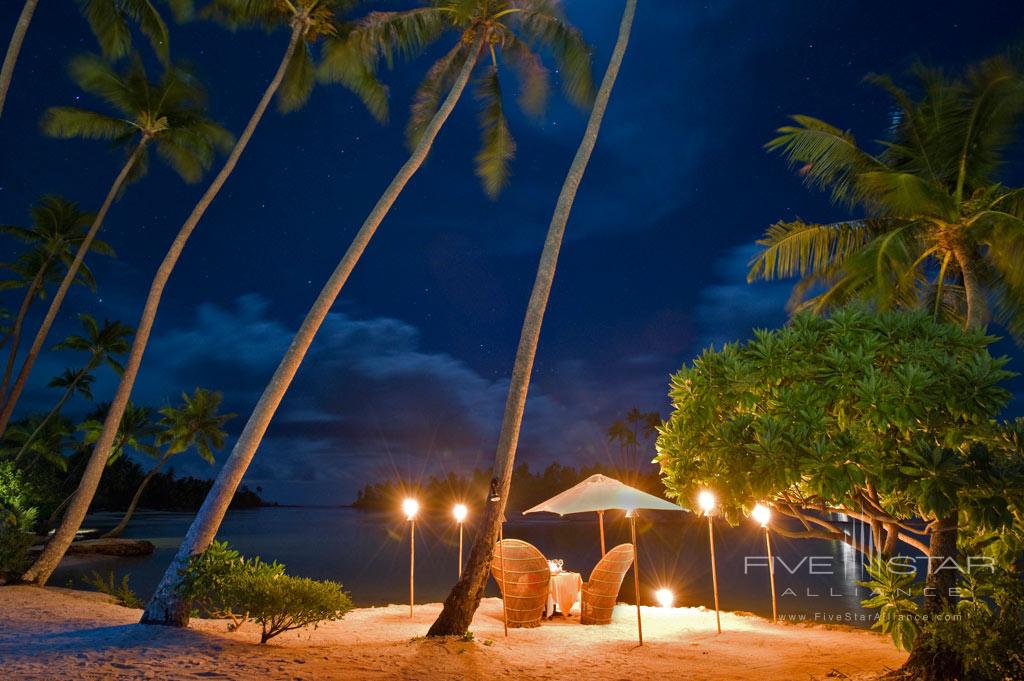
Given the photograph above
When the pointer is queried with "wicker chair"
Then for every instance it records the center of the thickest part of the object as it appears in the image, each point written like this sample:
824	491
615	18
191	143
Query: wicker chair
600	592
523	575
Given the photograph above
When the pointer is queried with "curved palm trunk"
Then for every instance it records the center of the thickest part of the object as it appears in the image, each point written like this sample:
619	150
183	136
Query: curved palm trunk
14	47
46	419
972	288
65	284
465	596
15	335
119	529
166	606
55	549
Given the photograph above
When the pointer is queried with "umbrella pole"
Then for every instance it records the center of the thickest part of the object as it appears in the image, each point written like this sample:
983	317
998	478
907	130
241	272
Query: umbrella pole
600	524
636	576
501	564
714	573
771	574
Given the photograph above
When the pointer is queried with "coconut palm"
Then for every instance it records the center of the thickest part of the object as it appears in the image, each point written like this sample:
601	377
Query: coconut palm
103	344
168	114
110	21
936	229
479	27
49	441
194	424
308	20
136	431
71	382
464	599
57	229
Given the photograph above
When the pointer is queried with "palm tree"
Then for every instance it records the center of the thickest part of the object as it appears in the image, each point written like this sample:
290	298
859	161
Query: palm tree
936	229
72	381
48	442
292	83
103	344
195	424
136	429
109	22
168	114
464	599
478	25
58	228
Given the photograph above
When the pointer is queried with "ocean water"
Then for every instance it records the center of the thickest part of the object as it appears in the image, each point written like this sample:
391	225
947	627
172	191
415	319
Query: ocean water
369	554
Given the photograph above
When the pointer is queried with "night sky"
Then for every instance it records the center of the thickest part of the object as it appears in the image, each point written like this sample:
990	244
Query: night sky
409	374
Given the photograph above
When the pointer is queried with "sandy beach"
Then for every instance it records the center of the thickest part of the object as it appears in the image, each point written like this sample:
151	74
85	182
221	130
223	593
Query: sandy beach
62	634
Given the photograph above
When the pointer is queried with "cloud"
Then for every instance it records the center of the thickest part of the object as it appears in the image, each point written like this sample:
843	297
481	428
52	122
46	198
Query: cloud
731	309
368	401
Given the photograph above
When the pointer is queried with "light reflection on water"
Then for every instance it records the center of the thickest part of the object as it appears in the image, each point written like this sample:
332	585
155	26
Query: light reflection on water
368	553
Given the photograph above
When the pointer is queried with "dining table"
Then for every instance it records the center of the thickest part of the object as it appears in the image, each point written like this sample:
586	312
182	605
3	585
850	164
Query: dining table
563	592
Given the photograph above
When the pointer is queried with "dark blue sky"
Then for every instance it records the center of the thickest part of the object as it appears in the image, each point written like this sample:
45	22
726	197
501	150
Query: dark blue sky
409	373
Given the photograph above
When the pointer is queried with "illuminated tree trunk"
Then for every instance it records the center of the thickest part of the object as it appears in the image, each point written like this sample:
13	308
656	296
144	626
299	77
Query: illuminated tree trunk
166	606
65	284
465	596
13	48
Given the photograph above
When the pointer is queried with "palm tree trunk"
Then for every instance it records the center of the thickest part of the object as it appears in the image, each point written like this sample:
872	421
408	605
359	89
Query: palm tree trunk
13	48
972	288
465	596
42	570
119	529
15	335
65	284
166	605
42	424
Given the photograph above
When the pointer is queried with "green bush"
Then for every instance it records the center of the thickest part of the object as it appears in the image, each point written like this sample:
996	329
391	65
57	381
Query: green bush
989	640
109	585
221	583
893	594
17	519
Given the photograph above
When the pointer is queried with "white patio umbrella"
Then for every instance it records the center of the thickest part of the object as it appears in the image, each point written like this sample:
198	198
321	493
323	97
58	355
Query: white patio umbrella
599	493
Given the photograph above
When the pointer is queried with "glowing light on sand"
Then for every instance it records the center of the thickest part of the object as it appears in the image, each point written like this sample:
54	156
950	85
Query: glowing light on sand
665	597
460	511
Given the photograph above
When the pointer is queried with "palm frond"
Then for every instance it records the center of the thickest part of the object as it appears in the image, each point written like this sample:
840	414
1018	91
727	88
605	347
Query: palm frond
151	24
887	192
343	60
534	81
497	148
801	249
438	80
68	122
97	77
542	25
828	157
298	80
387	35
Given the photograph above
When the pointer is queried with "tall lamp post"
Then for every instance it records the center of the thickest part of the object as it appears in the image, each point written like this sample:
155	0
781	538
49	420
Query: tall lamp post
411	507
706	500
763	514
460	511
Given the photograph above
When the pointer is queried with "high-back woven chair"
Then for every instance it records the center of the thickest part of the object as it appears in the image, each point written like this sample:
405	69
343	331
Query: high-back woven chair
523	575
600	592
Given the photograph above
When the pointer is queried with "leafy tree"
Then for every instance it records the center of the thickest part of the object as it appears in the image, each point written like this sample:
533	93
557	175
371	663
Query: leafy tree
937	230
168	114
17	516
44	440
196	424
291	84
480	25
886	418
464	598
57	231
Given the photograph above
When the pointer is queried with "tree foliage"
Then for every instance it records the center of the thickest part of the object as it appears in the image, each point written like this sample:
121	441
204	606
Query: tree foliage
888	418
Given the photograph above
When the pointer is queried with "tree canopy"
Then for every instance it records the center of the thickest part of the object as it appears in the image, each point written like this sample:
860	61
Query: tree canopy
888	418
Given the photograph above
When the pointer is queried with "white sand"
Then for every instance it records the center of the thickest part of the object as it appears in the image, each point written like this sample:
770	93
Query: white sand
62	634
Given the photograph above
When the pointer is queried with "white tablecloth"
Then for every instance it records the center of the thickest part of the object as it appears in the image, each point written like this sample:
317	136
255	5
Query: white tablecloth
564	591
